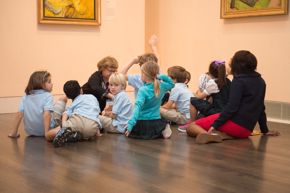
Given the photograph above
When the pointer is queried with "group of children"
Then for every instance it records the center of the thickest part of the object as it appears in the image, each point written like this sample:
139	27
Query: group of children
218	110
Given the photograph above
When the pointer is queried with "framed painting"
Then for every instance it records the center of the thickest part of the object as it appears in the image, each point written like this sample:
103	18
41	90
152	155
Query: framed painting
247	8
77	12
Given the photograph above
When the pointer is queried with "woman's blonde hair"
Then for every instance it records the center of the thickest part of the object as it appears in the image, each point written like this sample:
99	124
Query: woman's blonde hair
37	80
151	70
108	62
118	79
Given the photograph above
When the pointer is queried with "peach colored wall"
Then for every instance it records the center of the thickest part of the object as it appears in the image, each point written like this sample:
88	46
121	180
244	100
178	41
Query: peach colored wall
192	34
68	52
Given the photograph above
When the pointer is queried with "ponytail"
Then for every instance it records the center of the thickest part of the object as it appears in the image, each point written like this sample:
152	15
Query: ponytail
217	69
156	87
221	78
151	70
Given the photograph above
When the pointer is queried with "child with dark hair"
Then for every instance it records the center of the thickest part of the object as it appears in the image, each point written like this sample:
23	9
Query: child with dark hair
81	119
244	109
176	109
213	91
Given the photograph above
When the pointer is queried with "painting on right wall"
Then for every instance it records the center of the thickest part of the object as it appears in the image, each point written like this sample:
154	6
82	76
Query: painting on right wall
247	8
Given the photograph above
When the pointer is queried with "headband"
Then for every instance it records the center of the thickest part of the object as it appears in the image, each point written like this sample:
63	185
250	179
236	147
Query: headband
219	62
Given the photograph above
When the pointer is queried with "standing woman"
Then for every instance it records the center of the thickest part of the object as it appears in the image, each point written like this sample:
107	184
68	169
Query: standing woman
98	82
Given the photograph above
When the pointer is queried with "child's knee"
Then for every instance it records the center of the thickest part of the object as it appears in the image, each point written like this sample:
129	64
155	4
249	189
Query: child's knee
63	99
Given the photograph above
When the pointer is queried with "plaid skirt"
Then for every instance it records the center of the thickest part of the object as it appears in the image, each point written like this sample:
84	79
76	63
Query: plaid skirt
148	129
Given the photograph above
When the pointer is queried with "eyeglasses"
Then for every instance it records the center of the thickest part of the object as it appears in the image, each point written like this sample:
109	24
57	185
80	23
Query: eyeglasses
112	70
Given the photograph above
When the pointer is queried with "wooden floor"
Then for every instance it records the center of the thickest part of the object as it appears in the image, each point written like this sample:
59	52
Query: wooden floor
116	164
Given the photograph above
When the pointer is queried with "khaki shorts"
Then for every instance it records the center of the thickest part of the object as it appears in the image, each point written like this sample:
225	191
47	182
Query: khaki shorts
87	127
107	124
173	115
58	109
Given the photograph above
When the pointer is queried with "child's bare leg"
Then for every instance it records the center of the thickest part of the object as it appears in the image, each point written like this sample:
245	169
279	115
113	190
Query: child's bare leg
98	134
167	132
63	98
202	136
49	136
193	112
193	130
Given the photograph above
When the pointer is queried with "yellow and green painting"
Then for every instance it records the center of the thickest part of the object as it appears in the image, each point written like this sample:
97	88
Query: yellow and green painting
73	9
254	4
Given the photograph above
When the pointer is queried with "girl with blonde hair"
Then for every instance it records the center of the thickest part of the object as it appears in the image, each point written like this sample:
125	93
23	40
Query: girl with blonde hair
146	122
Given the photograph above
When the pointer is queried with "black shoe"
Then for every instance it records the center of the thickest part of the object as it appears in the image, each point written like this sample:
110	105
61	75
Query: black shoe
75	137
62	137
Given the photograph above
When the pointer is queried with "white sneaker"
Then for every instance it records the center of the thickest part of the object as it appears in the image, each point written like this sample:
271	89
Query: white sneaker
181	129
167	132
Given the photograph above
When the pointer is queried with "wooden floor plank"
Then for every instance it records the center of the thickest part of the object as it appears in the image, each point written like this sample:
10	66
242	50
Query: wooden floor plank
114	163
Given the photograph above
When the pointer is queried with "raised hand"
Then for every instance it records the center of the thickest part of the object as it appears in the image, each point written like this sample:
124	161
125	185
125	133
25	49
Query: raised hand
153	40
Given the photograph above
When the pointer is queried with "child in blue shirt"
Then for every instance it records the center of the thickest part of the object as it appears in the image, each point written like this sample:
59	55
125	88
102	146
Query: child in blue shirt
81	118
37	108
116	119
134	80
177	107
146	122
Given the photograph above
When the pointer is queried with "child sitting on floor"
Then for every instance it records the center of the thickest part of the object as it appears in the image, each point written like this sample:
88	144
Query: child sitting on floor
115	119
244	109
146	122
81	118
177	107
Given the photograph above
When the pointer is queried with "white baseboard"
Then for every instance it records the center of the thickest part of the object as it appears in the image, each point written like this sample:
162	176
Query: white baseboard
11	104
276	111
278	120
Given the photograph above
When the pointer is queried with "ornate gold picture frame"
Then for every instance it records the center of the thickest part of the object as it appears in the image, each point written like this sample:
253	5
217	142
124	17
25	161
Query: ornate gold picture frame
247	8
76	12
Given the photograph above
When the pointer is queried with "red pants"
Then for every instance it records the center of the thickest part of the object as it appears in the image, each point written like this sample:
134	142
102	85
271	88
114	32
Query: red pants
229	127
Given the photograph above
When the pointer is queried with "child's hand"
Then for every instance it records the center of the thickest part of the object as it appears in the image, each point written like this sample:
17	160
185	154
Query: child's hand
272	133
153	40
12	135
127	133
211	130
